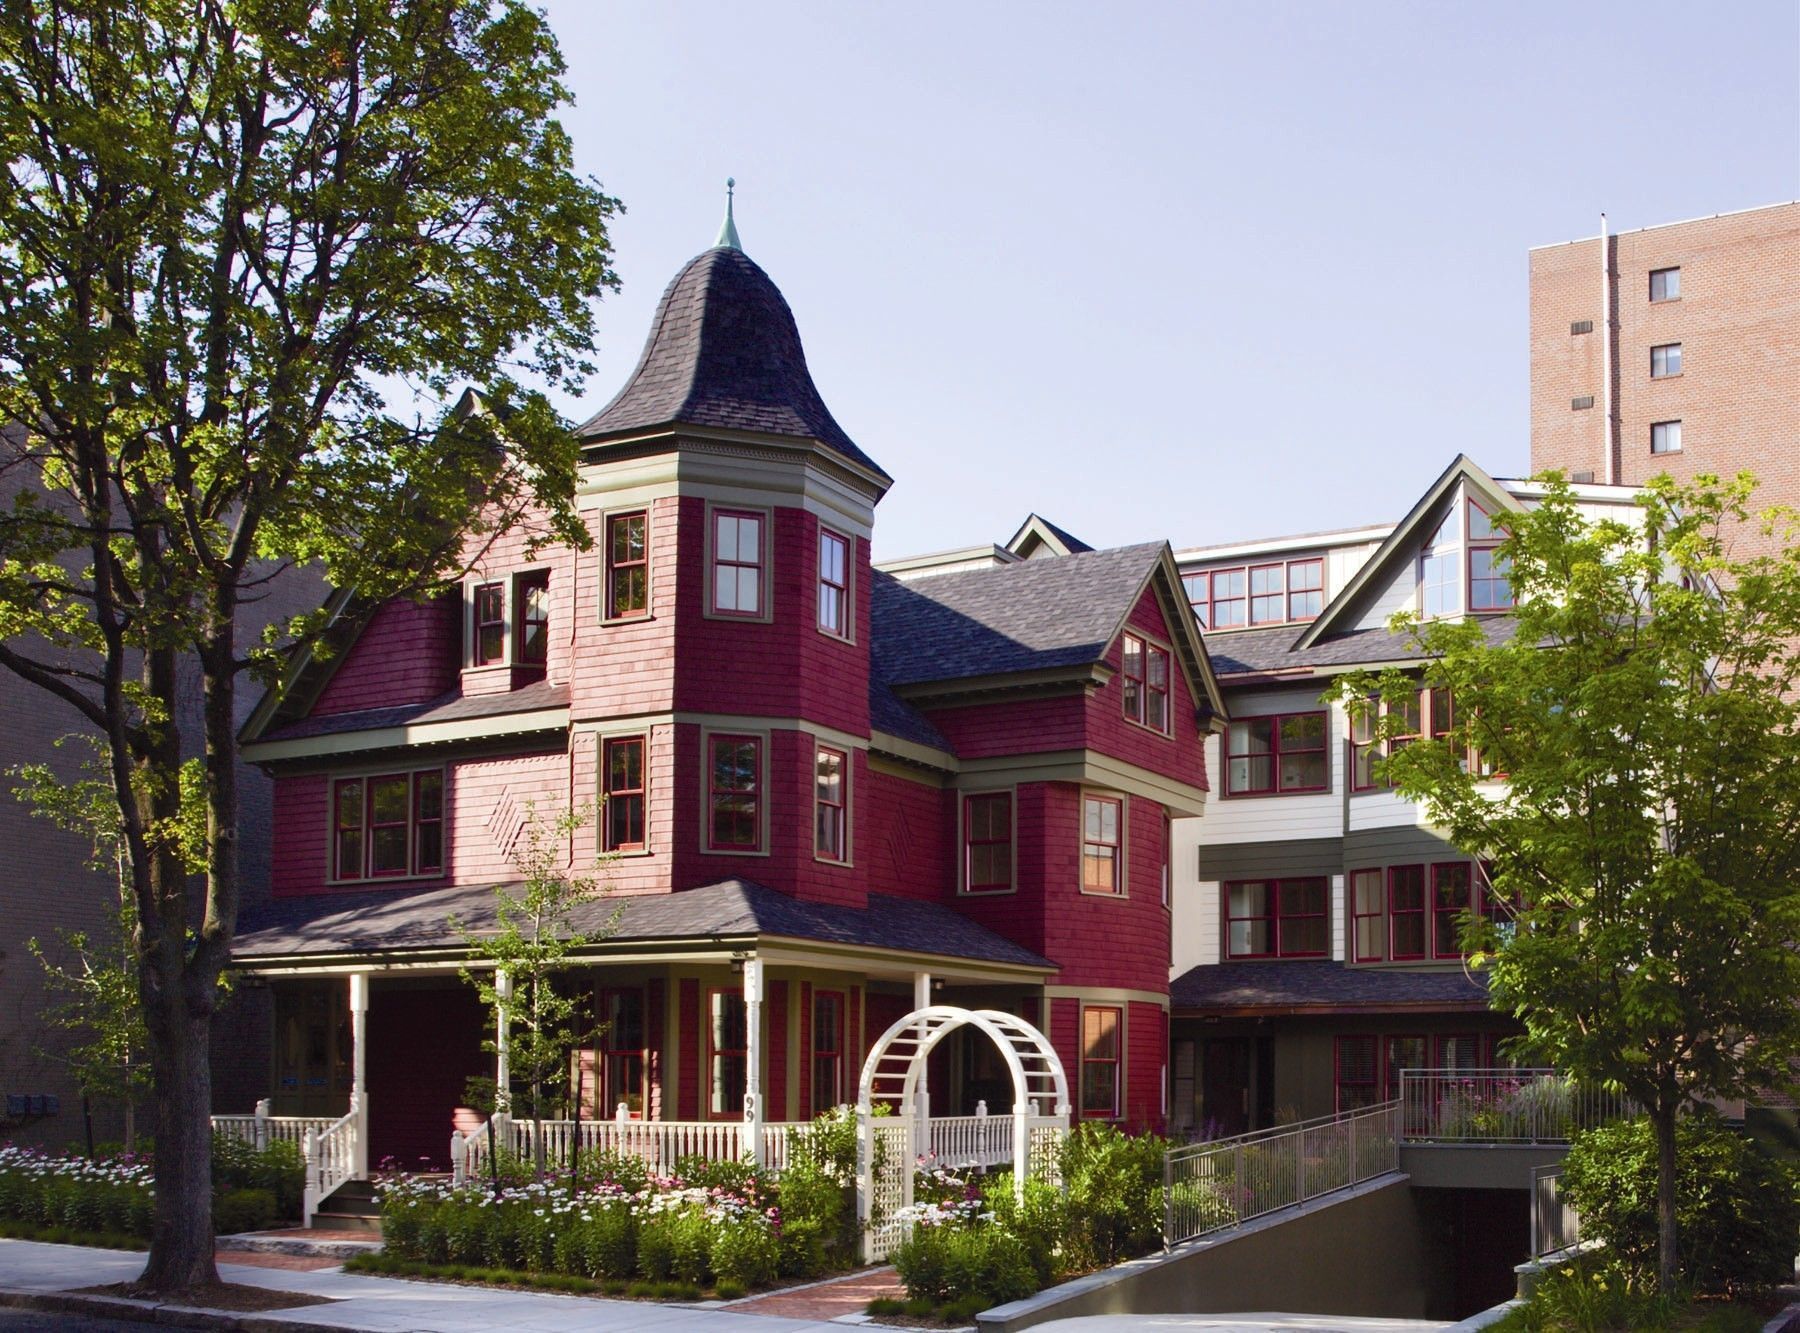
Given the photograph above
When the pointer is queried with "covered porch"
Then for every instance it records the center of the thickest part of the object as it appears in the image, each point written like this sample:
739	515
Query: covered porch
724	1018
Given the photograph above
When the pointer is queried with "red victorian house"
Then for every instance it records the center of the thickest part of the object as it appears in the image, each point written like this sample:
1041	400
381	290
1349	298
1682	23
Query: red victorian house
826	792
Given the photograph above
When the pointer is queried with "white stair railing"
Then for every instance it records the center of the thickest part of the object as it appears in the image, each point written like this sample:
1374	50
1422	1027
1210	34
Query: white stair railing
331	1159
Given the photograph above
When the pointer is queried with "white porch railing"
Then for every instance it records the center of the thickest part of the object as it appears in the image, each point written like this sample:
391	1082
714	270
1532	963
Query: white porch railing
964	1141
1211	1186
262	1129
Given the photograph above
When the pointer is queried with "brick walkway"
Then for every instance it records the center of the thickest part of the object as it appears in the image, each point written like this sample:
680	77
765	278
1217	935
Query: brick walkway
294	1263
825	1300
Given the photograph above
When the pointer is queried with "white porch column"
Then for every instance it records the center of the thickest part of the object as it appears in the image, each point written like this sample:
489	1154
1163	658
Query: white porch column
503	1056
359	1069
921	1107
753	1115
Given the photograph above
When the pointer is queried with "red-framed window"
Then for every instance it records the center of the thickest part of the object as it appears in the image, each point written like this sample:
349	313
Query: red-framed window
727	1060
1368	919
490	624
1273	593
532	643
622	1047
987	842
1400	1053
1363	745
831	809
387	826
1101	1027
1277	918
1276	755
737	559
1461	1050
1406	912
627	565
734	794
834	583
1410	727
1452	894
1490	575
1145	673
1102	846
827	1049
626	790
1356	1067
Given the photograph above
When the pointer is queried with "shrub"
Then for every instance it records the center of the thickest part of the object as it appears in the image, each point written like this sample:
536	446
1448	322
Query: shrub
612	1242
745	1253
277	1168
1114	1183
1737	1212
818	1228
1038	1224
693	1238
656	1246
944	1264
237	1210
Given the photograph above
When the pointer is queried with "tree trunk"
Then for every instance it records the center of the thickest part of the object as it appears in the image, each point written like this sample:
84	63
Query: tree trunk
181	1239
1663	1120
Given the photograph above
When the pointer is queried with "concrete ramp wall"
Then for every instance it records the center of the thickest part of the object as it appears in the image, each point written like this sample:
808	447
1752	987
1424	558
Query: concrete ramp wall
1363	1252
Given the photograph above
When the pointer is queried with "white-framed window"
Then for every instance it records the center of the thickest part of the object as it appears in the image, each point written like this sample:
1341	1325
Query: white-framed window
1440	569
1665	361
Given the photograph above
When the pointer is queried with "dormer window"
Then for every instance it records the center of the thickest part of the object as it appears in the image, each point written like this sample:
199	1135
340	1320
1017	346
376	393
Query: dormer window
534	619
1490	574
490	624
1440	570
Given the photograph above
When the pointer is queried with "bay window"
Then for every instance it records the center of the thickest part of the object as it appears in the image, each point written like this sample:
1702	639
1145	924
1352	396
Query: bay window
734	794
1102	864
1100	1048
623	789
737	563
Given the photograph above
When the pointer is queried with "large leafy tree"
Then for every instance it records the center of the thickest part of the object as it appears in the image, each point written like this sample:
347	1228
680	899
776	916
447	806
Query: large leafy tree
229	230
1644	721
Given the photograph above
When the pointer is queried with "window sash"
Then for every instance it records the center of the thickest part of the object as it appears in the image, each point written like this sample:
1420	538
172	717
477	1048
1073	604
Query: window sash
627	565
987	842
1272	593
1101	1029
490	624
1665	437
1258	766
734	793
1406	924
1156	689
1102	833
625	786
1281	915
834	583
1131	673
737	572
830	804
1356	1071
1368	916
1665	361
1452	893
1665	284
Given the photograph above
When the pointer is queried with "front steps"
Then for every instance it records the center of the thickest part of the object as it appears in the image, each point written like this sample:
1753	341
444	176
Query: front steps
350	1207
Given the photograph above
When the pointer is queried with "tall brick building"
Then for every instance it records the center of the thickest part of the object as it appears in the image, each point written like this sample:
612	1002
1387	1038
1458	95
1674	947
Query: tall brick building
1686	343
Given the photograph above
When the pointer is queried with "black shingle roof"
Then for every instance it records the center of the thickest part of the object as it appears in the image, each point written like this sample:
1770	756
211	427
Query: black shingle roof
724	351
1317	982
1027	616
1235	652
378	921
451	707
898	718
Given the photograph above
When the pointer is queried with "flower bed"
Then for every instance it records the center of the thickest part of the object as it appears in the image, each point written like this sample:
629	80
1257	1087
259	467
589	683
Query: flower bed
102	1200
724	1225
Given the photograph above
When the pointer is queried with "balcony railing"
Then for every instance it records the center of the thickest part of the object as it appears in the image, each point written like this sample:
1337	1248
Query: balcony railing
1209	1187
1501	1106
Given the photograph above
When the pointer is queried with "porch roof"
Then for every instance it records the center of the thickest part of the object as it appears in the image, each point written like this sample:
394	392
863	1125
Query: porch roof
400	923
1319	985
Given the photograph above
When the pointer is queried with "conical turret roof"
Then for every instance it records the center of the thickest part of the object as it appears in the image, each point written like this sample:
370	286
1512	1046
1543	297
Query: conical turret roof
724	352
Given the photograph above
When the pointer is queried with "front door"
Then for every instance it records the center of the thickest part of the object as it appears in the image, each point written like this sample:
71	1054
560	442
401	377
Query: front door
312	1048
1224	1087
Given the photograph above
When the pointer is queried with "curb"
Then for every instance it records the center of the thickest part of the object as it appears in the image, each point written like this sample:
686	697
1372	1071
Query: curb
150	1312
1786	1320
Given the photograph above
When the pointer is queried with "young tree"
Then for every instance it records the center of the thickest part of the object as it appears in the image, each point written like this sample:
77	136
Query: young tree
227	231
524	956
1645	720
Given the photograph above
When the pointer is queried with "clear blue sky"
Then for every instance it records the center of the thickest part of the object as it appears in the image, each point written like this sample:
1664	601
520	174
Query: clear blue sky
1196	271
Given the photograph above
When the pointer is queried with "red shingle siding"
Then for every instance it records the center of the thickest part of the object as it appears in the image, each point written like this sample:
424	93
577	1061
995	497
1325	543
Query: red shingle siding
1180	755
1146	1049
907	837
407	654
1030	726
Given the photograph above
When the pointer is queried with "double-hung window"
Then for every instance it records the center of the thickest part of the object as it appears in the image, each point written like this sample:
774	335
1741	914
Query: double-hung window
1356	1071
834	583
734	794
623	816
1102	845
1364	749
1665	284
987	842
1665	361
1100	1062
1306	588
1452	895
1228	587
1268	595
831	827
1281	753
622	1052
827	1049
627	565
1270	918
737	563
388	826
490	624
1368	922
726	1054
1665	437
1145	671
1406	912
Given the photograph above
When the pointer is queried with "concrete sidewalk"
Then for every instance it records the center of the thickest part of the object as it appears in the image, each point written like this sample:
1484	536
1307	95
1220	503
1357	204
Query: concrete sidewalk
30	1269
1261	1322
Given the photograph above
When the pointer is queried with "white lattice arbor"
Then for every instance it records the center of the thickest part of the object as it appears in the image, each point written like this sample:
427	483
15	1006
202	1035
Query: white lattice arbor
893	1070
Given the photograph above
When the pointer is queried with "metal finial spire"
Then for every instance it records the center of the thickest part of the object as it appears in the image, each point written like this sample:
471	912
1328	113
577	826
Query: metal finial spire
728	236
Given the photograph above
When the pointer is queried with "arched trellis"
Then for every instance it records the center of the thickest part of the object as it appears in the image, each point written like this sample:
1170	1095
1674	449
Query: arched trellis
1040	1090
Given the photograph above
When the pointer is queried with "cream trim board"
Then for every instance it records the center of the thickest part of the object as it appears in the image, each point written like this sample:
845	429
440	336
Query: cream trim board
407	734
1088	768
926	756
896	767
1107	995
692	468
